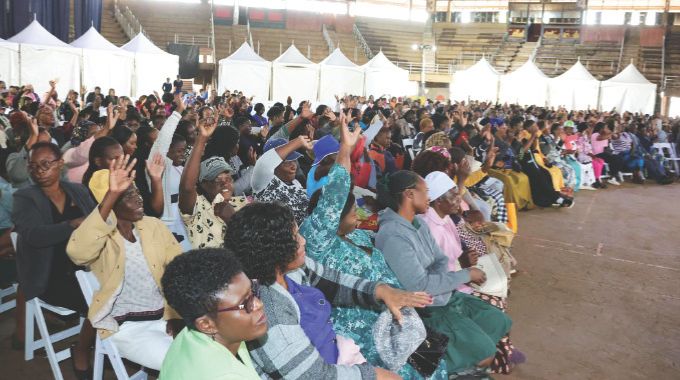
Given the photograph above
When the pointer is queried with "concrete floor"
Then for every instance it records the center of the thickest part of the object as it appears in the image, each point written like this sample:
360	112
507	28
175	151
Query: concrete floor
597	297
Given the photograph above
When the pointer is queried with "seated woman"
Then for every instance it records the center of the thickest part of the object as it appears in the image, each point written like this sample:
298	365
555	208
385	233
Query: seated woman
584	170
473	326
301	342
102	153
445	201
222	310
599	139
585	156
274	175
225	143
542	182
550	145
127	252
17	172
44	216
532	128
333	240
384	160
623	145
205	193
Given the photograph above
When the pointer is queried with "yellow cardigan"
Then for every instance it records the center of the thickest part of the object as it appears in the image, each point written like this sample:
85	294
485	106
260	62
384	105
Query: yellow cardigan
99	245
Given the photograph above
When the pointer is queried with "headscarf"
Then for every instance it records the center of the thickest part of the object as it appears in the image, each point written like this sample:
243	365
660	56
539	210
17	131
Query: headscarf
80	132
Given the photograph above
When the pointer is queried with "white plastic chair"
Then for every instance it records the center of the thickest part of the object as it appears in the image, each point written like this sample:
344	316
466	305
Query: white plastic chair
408	145
88	285
11	304
12	289
668	151
34	315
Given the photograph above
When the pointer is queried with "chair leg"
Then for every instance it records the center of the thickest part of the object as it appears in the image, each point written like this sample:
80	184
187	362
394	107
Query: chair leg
29	335
116	361
47	343
99	357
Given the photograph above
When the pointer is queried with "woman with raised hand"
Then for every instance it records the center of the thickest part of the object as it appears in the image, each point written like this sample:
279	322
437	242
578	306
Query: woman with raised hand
334	241
127	252
296	292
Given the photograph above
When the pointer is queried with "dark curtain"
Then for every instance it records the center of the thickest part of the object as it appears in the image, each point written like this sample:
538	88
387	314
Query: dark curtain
87	13
53	15
188	59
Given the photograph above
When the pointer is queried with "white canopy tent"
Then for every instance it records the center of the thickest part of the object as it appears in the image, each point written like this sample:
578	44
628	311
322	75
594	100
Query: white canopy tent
104	64
294	76
152	65
9	62
247	72
44	57
383	77
575	89
525	86
477	82
339	76
628	91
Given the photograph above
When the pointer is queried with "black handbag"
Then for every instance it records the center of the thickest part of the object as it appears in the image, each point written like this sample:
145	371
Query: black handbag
427	356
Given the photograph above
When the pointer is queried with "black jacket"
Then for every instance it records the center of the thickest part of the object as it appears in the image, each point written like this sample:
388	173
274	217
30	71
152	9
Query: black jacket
32	218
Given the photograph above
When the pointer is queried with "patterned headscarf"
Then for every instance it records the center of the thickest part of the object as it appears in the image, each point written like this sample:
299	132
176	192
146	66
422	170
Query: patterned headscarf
438	139
441	150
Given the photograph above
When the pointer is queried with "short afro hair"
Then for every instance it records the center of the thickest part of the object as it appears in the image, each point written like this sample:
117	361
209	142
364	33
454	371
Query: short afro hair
261	237
192	281
428	161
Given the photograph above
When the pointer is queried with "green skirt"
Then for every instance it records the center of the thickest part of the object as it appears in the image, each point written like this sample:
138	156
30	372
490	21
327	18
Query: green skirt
473	327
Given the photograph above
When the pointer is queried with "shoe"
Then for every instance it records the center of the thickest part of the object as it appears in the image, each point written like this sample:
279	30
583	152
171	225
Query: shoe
614	182
80	374
568	203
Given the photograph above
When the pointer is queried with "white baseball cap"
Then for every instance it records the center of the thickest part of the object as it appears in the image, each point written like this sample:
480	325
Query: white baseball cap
438	184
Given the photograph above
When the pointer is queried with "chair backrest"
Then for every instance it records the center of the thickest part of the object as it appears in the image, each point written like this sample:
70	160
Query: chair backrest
14	236
665	148
406	142
88	284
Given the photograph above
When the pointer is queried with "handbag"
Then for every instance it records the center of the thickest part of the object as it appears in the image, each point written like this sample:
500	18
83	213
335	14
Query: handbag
496	280
425	359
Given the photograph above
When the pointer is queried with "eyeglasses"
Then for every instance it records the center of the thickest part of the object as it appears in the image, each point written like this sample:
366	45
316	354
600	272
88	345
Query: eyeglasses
249	303
42	165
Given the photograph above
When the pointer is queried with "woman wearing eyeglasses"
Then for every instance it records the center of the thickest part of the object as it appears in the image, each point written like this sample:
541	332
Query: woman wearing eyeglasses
44	215
221	308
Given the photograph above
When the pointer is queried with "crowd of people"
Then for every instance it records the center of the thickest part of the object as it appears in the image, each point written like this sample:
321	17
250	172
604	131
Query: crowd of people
332	241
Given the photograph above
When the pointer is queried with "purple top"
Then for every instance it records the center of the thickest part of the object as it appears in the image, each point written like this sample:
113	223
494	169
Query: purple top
315	319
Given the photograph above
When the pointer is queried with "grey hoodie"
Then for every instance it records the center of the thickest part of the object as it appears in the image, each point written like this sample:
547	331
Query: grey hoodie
413	255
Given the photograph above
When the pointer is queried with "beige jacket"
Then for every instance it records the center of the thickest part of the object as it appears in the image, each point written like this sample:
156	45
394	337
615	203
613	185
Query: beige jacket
99	245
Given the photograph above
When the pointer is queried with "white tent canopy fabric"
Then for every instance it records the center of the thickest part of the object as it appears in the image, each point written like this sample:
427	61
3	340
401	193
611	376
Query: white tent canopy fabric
628	91
575	89
339	76
9	62
525	86
294	76
383	77
477	82
104	64
152	65
44	57
247	72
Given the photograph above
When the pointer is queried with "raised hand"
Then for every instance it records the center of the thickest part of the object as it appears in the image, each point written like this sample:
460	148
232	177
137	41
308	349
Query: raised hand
306	112
304	142
179	102
155	166
112	115
206	130
121	176
346	137
226	110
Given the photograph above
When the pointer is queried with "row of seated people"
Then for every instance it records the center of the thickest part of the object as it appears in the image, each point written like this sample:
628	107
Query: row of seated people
277	265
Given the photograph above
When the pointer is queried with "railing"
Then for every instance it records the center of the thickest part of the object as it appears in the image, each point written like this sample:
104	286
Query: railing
359	38
327	37
492	58
623	42
663	59
127	20
535	51
192	39
671	81
430	68
459	62
570	61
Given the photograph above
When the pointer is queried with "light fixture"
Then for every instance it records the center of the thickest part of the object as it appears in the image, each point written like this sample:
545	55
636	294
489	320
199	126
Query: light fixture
414	46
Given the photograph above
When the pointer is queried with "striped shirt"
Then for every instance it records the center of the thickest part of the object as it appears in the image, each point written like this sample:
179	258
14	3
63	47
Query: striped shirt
623	144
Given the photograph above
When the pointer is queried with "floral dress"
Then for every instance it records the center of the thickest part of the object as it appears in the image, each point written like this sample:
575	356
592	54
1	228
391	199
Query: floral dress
353	254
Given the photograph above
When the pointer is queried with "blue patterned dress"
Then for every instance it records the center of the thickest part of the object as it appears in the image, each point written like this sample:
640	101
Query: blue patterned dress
350	255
